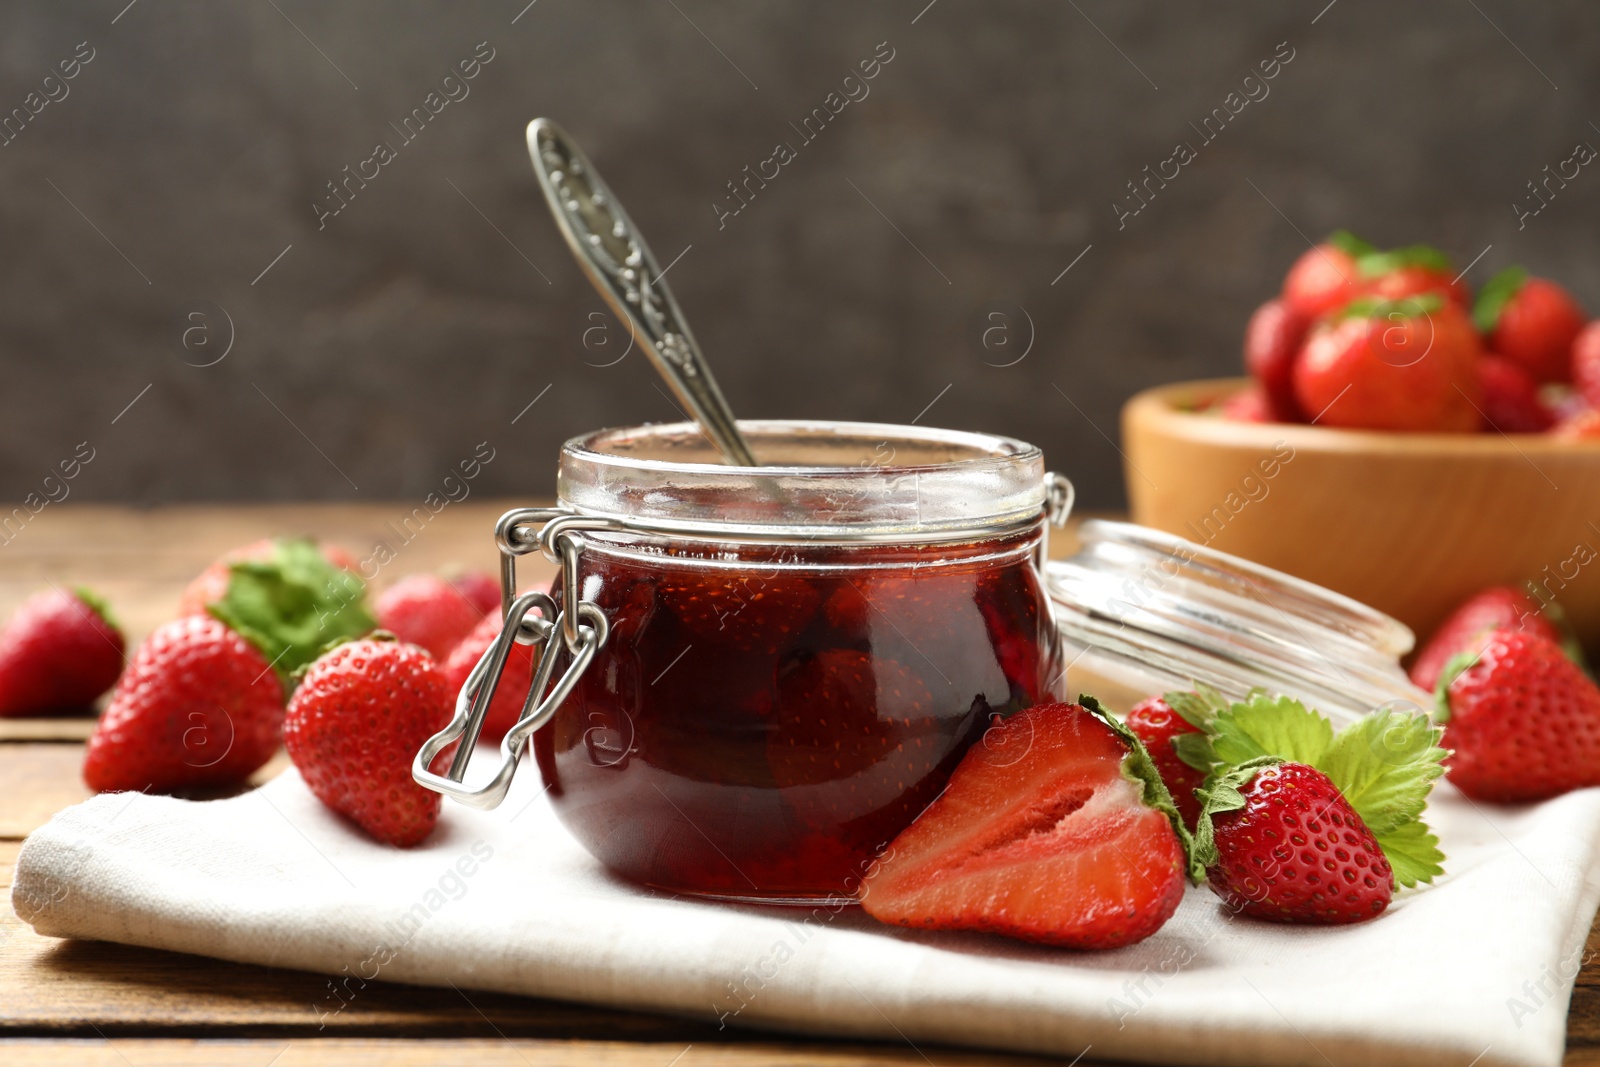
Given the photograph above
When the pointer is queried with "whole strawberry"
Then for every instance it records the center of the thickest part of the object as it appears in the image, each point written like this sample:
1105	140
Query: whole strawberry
59	652
481	590
1531	321
1415	270
1410	365
1161	723
1511	402
1325	276
1586	363
1247	405
515	680
428	611
198	706
361	713
1302	824
1580	426
1282	843
290	597
1522	718
1272	341
1468	628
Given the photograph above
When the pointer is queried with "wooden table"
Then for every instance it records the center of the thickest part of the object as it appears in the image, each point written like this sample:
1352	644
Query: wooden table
65	1002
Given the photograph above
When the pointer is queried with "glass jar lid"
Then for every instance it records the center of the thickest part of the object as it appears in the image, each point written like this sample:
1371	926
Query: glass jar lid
818	480
1149	611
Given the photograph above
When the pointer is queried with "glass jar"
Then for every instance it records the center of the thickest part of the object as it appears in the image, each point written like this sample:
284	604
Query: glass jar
1142	612
773	669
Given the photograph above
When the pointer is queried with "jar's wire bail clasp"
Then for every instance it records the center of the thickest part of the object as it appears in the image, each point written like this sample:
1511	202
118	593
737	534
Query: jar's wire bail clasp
577	625
1059	496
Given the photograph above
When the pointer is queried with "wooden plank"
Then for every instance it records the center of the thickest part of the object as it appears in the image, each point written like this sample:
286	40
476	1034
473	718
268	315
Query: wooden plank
115	1051
58	729
36	781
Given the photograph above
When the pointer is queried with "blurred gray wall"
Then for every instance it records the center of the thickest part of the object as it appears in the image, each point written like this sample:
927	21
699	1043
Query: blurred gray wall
163	205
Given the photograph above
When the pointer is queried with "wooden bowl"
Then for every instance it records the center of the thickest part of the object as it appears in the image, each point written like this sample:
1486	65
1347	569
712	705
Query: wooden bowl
1411	524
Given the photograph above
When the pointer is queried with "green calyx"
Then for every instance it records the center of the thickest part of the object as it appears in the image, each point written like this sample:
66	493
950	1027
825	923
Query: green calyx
294	606
1384	764
1141	770
97	604
1374	307
1223	792
1350	244
1496	294
1199	708
1376	264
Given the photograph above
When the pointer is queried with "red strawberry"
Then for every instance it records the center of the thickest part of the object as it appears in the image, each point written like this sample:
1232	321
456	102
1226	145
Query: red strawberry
1522	718
515	681
481	590
1469	627
1580	426
1531	321
1586	363
749	612
1250	405
857	743
1159	726
211	584
1055	828
1511	402
198	706
355	724
426	610
1283	844
1416	270
1325	277
59	652
1411	365
1272	341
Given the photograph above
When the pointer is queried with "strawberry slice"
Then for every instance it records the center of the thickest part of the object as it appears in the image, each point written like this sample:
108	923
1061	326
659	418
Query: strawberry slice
1055	829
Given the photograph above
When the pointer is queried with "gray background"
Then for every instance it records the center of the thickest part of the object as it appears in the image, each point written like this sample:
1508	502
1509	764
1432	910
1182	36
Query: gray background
376	353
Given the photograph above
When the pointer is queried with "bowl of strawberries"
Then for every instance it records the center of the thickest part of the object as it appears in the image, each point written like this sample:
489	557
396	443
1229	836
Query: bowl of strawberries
1399	438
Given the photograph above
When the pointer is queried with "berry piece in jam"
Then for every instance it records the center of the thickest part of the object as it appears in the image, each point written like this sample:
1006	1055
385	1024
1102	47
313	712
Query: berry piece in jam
746	611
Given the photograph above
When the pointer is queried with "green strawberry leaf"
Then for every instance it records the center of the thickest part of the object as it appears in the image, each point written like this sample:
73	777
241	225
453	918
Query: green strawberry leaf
1140	769
1350	244
1385	765
97	604
1377	264
1413	853
1265	725
1225	792
1199	708
1496	294
292	606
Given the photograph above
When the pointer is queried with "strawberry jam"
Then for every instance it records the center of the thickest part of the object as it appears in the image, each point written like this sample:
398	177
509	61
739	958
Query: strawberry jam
763	719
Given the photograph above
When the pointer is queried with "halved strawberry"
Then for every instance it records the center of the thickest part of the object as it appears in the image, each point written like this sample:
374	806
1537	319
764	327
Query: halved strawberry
1055	828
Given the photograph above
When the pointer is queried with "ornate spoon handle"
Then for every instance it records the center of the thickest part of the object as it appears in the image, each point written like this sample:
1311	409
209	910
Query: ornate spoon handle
620	265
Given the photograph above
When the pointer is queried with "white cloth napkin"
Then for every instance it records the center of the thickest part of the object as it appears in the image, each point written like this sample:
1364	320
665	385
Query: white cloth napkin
1480	965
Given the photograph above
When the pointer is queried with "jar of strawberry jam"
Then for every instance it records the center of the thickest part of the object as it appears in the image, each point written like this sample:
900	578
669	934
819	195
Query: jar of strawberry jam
771	670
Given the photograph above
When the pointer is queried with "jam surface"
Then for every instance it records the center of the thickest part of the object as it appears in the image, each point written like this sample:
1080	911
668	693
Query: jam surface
759	730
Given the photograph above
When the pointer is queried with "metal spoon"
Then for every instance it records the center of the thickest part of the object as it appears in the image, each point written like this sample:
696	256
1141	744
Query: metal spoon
620	265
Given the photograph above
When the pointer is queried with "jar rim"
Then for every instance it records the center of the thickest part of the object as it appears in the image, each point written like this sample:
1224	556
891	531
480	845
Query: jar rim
819	480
